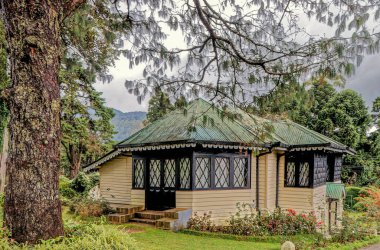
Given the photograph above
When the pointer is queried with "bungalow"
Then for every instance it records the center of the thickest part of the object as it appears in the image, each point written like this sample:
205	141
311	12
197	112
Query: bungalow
199	160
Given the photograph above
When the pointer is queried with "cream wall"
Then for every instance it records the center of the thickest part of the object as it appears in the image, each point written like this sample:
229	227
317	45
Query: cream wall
221	204
116	180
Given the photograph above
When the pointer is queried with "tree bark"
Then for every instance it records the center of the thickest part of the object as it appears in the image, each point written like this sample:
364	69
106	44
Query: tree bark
75	161
3	159
32	209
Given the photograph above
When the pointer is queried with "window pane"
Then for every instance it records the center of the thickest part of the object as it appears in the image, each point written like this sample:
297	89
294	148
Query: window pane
169	173
138	165
155	173
184	173
290	174
304	174
202	172
240	172
222	172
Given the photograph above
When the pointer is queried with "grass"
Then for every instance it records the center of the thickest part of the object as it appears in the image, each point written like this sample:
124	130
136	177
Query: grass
150	238
154	239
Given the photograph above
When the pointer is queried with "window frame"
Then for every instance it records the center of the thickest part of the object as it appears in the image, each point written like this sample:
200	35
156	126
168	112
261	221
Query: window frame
134	173
299	158
231	157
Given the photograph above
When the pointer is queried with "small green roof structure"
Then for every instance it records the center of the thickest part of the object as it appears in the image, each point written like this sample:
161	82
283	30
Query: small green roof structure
335	191
201	123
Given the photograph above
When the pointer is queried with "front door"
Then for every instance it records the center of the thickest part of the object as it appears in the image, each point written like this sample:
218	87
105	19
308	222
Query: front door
160	192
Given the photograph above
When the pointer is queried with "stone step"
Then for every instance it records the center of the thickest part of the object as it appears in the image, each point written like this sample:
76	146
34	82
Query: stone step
119	218
145	221
128	209
166	223
149	214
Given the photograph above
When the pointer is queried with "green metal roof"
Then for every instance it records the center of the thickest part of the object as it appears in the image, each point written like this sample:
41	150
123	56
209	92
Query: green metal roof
335	190
189	125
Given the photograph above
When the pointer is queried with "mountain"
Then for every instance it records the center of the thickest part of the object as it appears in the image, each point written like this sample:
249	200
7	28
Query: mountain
127	123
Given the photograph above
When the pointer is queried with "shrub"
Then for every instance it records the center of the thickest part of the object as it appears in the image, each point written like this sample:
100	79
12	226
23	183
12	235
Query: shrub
201	223
352	193
84	237
351	231
81	183
65	188
87	207
259	224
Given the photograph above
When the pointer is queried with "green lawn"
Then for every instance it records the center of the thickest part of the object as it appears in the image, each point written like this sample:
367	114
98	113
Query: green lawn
155	239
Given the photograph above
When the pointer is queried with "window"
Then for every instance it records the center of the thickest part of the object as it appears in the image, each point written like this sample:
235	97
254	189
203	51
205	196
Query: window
304	174
298	171
202	172
240	172
138	173
222	172
184	173
330	168
155	173
169	173
291	174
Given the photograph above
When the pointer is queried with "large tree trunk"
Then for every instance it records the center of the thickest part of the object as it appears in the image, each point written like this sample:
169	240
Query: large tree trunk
3	159
32	206
75	161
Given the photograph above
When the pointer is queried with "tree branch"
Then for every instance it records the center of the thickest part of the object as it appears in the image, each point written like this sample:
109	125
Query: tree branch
70	6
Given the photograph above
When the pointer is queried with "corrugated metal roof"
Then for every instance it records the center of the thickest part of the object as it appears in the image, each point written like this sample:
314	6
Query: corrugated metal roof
335	191
190	126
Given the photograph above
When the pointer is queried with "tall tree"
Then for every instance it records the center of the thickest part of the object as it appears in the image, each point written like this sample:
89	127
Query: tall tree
159	105
86	121
345	118
239	44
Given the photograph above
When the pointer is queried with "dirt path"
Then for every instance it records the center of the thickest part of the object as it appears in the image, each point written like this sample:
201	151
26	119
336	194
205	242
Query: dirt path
373	247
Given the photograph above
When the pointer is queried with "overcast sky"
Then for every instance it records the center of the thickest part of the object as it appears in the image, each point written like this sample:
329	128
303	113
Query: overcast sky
366	79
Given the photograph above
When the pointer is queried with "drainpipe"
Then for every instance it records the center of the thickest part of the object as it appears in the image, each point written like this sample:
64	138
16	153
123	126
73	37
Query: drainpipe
257	177
278	176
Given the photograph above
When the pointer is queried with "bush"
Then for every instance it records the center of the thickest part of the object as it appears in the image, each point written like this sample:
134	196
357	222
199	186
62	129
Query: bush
259	224
87	207
84	237
81	183
352	193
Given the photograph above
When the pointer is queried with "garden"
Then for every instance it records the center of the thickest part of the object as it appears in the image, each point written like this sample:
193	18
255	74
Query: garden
86	226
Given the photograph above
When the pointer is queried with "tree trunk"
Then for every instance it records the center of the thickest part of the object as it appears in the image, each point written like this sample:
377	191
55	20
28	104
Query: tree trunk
3	159
75	161
32	208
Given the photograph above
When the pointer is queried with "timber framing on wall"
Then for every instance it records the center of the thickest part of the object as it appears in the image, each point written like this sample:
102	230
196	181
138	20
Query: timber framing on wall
278	176
257	177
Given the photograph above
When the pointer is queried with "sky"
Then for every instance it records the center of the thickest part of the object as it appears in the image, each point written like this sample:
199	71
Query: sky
366	79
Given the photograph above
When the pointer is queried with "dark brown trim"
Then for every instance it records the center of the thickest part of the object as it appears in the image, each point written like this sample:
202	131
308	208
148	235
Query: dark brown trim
278	176
257	177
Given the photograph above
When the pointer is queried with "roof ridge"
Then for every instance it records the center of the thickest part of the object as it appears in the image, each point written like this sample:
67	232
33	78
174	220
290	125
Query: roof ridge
319	135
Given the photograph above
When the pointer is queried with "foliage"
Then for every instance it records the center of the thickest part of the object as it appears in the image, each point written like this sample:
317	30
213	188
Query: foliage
352	193
84	182
86	207
369	201
86	237
159	105
262	223
351	231
77	188
86	121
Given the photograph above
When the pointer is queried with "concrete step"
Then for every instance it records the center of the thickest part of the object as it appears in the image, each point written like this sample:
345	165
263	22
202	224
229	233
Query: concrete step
145	221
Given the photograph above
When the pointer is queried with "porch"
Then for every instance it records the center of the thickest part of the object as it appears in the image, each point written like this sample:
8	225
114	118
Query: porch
171	219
